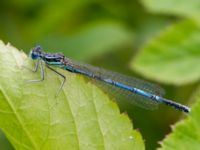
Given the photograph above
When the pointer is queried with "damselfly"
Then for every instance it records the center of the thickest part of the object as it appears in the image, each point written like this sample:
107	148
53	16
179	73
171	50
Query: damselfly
143	94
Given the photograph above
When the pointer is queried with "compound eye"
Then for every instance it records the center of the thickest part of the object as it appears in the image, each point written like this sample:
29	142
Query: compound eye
34	55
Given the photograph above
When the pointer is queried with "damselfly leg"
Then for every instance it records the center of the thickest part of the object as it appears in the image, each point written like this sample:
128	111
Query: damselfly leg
63	82
36	67
38	64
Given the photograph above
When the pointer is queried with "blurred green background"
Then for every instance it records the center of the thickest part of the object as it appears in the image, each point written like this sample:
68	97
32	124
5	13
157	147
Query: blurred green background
108	34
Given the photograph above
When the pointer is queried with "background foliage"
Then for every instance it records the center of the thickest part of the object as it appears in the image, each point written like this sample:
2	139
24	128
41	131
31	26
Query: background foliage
155	40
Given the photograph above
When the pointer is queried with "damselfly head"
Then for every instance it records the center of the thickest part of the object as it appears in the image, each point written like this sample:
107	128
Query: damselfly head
36	52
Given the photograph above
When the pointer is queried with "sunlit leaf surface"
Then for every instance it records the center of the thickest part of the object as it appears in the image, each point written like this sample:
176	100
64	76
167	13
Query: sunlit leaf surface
81	117
184	8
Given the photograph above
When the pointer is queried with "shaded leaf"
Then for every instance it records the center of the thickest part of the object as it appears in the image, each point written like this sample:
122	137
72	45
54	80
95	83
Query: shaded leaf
172	57
52	14
81	117
4	143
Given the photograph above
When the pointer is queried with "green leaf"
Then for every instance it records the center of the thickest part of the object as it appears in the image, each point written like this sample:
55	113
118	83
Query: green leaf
81	117
186	134
173	56
183	8
93	40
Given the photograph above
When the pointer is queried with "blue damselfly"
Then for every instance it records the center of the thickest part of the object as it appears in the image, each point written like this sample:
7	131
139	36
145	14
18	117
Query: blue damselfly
143	94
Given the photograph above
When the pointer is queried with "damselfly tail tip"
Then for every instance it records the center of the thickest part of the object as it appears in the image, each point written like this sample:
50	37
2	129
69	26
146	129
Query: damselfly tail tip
176	105
188	110
181	107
